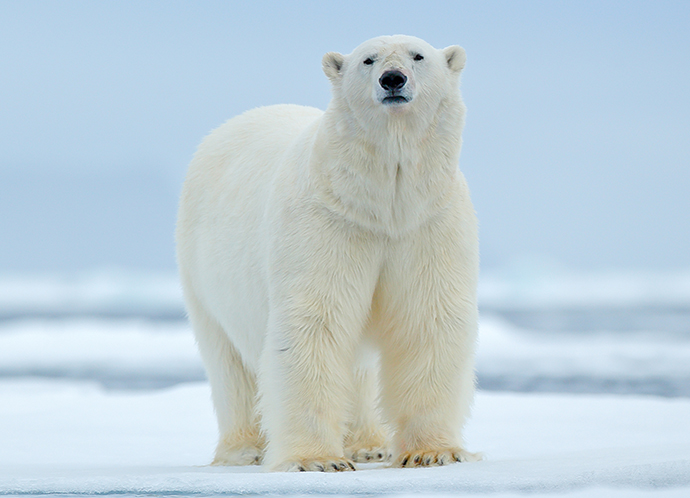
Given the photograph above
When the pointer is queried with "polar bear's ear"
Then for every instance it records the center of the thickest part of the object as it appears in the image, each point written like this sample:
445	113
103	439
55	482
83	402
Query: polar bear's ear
455	58
332	64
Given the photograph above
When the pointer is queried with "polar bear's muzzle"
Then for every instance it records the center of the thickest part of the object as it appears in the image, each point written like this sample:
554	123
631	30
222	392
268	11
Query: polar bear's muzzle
393	85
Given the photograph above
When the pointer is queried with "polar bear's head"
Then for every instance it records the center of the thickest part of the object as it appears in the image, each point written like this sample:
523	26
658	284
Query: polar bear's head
395	76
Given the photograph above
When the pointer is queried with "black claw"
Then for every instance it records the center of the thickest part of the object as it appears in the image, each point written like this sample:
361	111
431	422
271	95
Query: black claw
320	467
335	467
404	462
417	459
351	466
302	469
379	455
368	457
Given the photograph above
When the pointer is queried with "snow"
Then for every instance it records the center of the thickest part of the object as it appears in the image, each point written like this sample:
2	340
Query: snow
67	437
513	359
118	353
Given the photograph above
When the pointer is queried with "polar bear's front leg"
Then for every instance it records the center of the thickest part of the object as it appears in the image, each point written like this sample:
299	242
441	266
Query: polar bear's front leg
320	290
427	322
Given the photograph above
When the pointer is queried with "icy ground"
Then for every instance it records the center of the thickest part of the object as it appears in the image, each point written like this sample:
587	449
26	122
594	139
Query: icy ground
66	437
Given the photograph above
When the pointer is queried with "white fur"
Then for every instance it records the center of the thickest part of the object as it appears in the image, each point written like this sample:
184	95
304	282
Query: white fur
307	239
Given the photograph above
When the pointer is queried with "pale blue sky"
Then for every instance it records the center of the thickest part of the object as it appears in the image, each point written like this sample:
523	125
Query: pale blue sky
577	142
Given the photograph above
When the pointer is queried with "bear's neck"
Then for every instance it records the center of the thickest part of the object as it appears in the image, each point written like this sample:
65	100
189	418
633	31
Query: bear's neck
391	177
399	139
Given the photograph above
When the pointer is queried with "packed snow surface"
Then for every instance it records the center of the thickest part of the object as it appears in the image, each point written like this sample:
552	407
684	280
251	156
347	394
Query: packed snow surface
67	437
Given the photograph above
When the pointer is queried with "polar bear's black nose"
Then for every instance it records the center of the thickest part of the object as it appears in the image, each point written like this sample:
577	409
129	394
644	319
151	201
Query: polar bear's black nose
392	80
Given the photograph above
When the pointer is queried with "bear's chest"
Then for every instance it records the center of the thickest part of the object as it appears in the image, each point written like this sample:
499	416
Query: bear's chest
386	197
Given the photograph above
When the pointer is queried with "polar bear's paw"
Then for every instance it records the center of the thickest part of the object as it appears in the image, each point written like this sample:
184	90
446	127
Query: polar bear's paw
364	455
368	443
435	458
244	447
334	464
249	455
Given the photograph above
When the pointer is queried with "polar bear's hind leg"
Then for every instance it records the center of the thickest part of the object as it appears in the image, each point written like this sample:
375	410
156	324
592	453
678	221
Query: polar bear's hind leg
233	389
367	439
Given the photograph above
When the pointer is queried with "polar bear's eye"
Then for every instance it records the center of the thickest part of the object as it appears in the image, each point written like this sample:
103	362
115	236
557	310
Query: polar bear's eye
368	61
418	57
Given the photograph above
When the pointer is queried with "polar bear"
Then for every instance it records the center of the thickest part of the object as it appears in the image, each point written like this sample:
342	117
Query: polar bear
329	262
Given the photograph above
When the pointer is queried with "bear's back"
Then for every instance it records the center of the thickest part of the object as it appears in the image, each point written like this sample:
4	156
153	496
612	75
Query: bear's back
264	132
234	164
